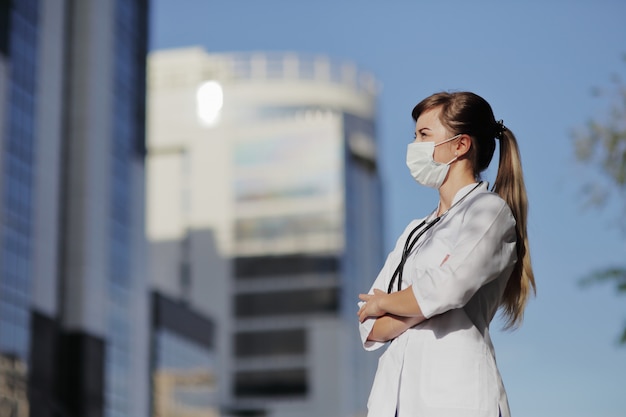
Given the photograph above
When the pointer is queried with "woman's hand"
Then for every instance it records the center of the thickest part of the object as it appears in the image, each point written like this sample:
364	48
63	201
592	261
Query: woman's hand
372	305
399	303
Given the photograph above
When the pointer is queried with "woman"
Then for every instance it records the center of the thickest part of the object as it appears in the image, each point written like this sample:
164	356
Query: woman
450	272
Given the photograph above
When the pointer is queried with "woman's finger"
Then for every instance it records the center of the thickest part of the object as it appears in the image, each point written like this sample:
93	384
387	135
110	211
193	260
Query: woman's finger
362	316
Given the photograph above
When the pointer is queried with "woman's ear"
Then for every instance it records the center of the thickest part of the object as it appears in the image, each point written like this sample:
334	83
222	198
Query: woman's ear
463	145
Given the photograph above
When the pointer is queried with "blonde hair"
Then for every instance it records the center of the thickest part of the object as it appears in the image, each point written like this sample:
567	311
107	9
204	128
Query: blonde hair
468	113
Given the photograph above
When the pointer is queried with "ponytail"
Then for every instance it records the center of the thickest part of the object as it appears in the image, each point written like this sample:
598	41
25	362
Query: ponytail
510	186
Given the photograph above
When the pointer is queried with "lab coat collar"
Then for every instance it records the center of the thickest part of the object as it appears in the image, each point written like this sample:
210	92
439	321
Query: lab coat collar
462	192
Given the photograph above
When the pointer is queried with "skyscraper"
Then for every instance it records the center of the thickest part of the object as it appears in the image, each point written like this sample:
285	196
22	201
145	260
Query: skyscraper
73	290
274	156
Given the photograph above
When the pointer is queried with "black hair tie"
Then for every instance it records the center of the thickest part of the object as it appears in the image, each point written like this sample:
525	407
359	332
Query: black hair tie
500	129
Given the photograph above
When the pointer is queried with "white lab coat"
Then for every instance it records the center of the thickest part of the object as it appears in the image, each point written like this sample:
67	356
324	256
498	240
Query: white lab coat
446	366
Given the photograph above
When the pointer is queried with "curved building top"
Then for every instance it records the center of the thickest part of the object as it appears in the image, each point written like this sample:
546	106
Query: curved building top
281	78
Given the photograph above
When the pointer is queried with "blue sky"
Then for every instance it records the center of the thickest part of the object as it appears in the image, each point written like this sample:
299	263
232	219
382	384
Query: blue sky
536	62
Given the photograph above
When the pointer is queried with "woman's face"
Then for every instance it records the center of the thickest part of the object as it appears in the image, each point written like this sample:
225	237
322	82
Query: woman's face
429	129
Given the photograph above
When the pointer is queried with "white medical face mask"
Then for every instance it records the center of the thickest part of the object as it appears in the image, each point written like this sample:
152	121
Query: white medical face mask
419	159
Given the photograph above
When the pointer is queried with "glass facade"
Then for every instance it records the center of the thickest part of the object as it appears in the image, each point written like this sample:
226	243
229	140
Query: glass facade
183	381
127	137
16	249
183	361
290	213
16	236
35	345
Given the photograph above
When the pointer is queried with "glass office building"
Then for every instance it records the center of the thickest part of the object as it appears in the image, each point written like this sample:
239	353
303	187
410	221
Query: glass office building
20	30
73	293
17	177
281	160
127	153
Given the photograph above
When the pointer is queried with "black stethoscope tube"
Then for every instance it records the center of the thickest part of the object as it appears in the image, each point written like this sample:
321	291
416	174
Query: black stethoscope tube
407	250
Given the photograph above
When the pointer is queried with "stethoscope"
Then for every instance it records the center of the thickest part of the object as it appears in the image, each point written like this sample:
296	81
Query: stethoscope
410	244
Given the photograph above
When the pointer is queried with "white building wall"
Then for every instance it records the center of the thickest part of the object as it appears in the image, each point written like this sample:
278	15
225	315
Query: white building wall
177	137
210	196
164	194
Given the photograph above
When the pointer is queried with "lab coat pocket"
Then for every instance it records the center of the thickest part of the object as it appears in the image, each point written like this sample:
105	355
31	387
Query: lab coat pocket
451	377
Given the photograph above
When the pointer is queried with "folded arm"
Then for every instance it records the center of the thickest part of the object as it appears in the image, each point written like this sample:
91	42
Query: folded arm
389	327
394	313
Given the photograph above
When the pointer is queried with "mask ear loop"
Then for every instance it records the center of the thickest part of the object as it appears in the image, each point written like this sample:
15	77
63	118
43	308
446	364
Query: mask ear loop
448	140
456	157
452	160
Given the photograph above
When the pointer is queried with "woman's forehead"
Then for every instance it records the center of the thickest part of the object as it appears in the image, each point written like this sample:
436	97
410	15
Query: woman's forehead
429	119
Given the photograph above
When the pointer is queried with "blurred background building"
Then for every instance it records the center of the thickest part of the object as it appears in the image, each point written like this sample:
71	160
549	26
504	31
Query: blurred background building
74	297
264	213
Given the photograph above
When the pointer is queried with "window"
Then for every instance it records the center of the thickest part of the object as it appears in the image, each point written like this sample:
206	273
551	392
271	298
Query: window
270	343
287	302
285	265
279	383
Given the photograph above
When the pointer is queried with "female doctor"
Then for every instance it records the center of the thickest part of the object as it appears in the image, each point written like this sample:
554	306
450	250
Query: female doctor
451	271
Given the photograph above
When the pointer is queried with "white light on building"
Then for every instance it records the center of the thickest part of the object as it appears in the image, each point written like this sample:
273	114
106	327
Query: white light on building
209	102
